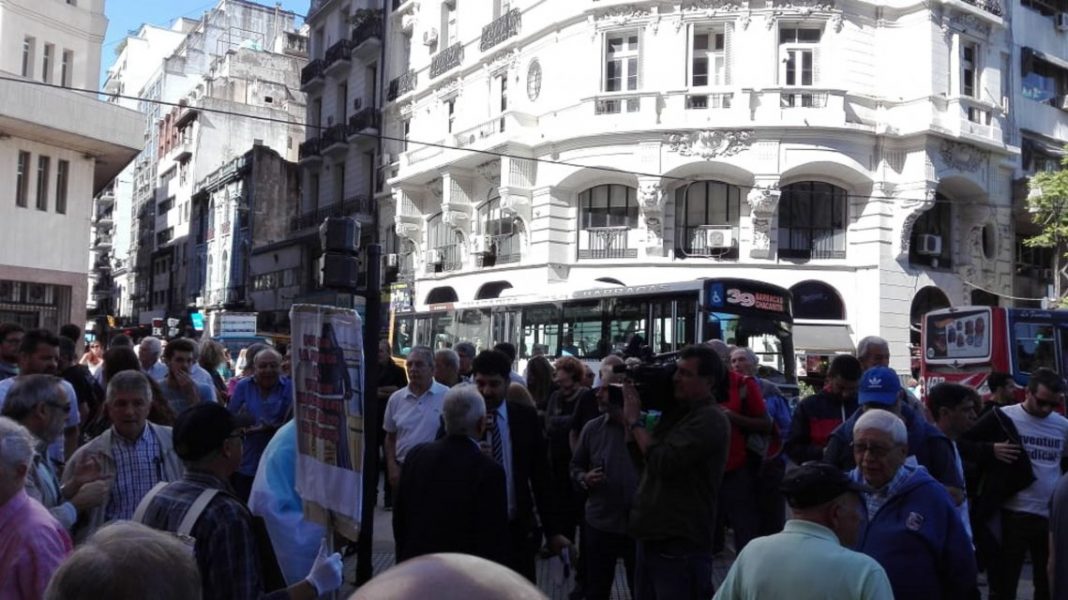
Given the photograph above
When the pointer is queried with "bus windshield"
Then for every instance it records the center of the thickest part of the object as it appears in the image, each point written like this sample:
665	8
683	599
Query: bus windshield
768	339
958	336
1034	346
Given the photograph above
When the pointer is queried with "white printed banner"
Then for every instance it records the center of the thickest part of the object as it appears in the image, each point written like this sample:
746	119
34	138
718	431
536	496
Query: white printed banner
328	372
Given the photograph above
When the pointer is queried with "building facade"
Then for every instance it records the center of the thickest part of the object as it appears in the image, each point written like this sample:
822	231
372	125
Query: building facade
868	157
58	148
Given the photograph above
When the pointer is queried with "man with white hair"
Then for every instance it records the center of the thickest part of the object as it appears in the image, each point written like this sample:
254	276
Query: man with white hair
137	453
148	352
913	528
412	412
447	367
873	351
38	403
452	495
32	542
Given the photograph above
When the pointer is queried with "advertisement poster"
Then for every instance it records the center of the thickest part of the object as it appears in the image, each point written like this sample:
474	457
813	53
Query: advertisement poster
957	336
328	383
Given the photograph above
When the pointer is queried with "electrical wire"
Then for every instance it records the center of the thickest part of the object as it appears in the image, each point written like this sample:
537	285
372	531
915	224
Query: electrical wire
938	199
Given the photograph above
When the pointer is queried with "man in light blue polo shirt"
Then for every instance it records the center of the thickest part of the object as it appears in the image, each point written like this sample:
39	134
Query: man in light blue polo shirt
413	413
810	558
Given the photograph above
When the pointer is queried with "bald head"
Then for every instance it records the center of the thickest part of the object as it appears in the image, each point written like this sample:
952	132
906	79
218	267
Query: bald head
448	577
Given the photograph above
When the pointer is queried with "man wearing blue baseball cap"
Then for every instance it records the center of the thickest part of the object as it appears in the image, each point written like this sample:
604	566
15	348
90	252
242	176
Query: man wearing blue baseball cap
880	387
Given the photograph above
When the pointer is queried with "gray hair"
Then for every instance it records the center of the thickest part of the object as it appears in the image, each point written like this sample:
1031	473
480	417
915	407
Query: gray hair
462	409
16	444
607	376
749	354
872	340
721	349
452	359
29	392
164	568
465	349
152	344
268	351
882	420
427	353
129	381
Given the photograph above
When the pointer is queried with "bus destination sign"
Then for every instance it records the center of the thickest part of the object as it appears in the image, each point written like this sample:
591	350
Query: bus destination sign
727	295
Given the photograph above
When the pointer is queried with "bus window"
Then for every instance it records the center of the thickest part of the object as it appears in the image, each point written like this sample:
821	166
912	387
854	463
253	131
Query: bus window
506	328
584	330
402	335
473	325
628	318
1034	346
443	331
674	324
541	330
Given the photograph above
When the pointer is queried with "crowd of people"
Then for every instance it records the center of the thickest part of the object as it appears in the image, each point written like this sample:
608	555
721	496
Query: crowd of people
155	448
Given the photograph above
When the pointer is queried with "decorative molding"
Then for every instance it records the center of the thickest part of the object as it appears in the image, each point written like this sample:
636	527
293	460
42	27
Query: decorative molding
449	88
913	209
651	204
455	218
407	229
963	157
763	200
621	15
710	143
490	171
969	23
508	60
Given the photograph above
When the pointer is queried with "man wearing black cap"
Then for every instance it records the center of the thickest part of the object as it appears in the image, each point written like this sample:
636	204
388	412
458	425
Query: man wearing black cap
811	558
208	439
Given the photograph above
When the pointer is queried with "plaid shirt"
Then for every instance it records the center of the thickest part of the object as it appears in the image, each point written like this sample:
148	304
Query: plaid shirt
225	546
138	467
875	501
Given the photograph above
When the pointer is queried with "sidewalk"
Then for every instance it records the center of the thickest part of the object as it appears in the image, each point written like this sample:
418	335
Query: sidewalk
382	558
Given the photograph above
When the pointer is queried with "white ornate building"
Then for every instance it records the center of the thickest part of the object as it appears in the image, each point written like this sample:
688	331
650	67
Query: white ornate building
861	153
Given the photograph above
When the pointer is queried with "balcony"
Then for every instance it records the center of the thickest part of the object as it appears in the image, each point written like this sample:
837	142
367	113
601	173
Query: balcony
367	38
359	207
338	57
446	60
968	118
335	140
311	76
106	199
400	86
308	153
444	259
799	106
102	243
606	242
183	150
186	115
482	135
103	221
500	29
364	126
991	6
816	243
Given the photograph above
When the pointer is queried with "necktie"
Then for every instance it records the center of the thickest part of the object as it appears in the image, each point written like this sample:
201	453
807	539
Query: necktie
495	440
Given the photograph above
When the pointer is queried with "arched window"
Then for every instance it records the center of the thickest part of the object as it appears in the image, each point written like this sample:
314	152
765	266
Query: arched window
706	219
931	239
817	300
444	249
502	240
812	221
607	215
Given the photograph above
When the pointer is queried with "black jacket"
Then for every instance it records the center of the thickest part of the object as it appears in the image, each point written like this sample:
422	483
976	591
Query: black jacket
451	498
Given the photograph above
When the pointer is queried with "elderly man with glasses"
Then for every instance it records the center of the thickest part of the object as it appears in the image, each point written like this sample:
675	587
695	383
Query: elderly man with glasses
38	403
913	530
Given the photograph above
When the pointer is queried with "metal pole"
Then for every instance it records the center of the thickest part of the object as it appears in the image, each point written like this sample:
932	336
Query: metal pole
371	326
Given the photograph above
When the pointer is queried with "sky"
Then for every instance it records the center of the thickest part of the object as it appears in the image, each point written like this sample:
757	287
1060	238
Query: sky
126	15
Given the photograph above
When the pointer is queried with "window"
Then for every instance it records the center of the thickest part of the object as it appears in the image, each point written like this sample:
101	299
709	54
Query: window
706	219
798	55
163	207
46	65
66	75
812	221
313	191
450	113
27	56
316	111
502	85
504	247
708	68
43	164
931	239
1034	346
342	101
449	29
607	214
621	62
62	180
22	179
445	249
406	128
969	69
164	236
339	183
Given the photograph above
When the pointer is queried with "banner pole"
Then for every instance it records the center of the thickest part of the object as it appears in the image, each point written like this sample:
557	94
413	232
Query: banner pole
371	327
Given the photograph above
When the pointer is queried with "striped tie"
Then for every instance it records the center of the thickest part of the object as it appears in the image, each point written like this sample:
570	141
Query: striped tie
495	439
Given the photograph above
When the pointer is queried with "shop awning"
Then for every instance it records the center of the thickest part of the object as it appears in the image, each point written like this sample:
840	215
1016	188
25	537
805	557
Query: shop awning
1049	58
822	338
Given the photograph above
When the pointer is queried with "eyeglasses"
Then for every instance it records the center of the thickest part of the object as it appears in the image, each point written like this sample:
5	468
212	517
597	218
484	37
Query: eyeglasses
65	407
876	450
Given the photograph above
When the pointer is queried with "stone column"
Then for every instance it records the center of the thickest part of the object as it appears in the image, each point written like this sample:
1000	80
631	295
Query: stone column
763	201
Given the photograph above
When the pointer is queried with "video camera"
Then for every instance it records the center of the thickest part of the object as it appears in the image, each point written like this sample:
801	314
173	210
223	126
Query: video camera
653	377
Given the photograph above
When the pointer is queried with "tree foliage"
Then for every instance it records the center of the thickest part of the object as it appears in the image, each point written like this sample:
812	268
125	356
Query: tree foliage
1048	204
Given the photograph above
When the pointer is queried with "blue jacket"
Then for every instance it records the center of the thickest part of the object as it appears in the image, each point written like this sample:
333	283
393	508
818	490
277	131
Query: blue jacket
918	538
930	447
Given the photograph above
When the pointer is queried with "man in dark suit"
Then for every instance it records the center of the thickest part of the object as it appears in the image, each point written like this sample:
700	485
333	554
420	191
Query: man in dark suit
452	496
514	439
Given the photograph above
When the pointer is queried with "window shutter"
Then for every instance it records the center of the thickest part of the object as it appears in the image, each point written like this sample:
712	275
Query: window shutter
728	55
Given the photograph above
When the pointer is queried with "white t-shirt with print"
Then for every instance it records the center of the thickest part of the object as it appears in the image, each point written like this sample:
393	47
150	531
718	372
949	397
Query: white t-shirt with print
1045	441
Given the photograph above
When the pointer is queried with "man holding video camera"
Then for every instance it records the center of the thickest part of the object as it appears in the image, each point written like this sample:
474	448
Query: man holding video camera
681	458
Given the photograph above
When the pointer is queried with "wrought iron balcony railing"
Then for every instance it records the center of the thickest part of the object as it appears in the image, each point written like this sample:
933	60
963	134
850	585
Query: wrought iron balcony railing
500	29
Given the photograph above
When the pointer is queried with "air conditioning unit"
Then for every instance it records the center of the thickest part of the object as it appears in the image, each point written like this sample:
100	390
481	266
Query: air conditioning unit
714	237
392	260
482	244
929	245
430	37
1062	21
434	257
